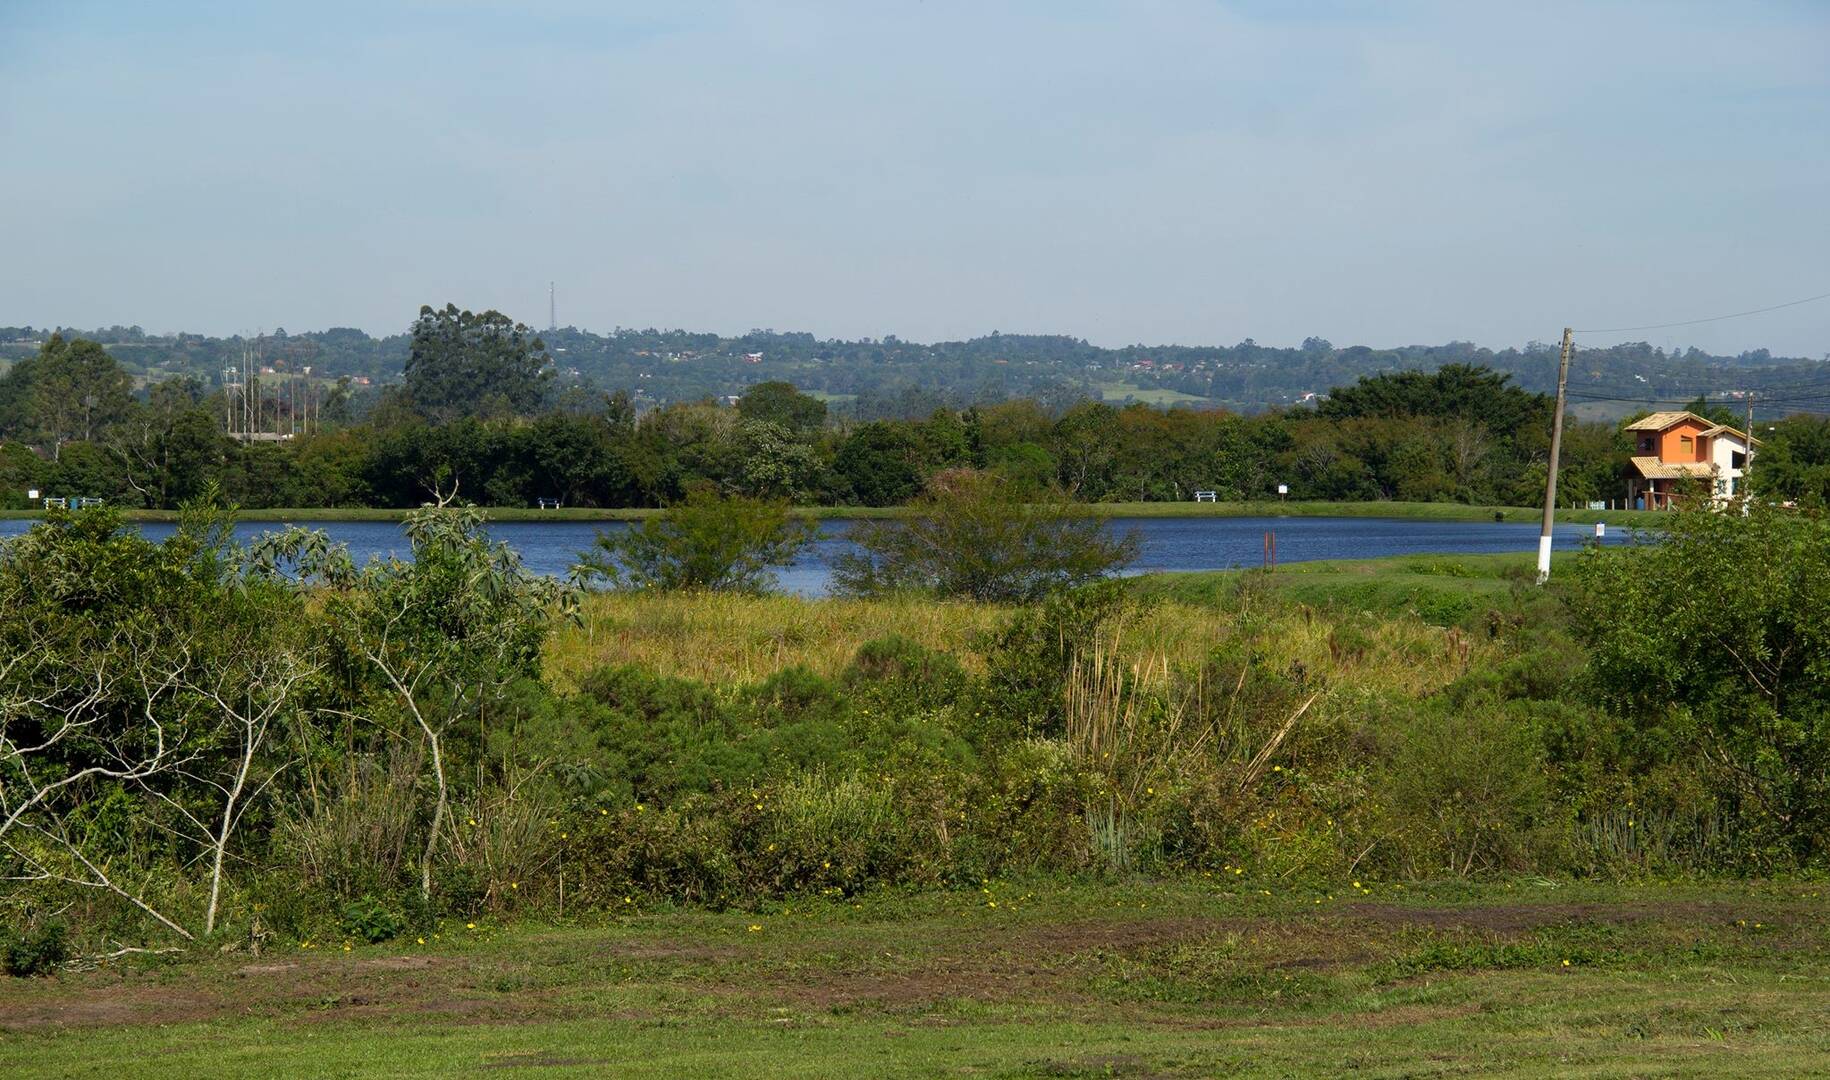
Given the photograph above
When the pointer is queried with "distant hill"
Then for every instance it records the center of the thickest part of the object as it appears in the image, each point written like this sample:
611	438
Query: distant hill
891	377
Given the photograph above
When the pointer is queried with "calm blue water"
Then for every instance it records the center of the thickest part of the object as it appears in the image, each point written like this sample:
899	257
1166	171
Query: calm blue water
1168	543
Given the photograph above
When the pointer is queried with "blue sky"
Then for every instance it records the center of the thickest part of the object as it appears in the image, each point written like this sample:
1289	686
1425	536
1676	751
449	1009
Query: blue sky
1144	172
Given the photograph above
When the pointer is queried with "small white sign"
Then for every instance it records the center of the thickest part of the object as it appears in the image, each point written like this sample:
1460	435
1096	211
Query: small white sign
1283	489
31	493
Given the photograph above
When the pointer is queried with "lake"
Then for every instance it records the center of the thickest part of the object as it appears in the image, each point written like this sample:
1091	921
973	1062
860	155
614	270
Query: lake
1207	543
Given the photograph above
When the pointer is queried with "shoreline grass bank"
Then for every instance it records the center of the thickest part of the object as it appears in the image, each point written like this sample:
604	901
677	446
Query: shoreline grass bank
1394	510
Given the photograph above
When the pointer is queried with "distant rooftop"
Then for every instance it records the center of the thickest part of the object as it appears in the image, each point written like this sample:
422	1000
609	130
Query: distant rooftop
1659	421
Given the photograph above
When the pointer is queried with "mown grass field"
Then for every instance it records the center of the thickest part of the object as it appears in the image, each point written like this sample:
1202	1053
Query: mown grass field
1121	391
1227	975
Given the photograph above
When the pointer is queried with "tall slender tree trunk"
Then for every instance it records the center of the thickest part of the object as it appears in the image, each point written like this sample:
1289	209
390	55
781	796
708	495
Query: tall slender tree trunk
438	813
222	832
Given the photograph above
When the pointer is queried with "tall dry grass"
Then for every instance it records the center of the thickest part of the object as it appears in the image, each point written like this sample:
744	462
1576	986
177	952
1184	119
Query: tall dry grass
725	638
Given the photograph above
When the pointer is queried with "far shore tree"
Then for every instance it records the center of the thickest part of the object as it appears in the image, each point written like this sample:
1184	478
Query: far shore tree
463	363
974	536
705	542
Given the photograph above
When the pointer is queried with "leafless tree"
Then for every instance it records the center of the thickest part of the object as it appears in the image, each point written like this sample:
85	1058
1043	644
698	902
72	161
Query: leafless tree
250	698
47	705
68	725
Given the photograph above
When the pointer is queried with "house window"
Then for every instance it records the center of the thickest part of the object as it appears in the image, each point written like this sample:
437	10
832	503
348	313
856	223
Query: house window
1686	445
1645	444
1737	461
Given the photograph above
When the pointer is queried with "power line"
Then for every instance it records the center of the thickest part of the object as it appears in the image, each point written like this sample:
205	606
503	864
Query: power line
1818	404
1810	389
1712	318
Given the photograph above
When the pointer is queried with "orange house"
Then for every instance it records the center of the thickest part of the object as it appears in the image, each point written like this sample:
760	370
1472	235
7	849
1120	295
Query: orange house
1673	450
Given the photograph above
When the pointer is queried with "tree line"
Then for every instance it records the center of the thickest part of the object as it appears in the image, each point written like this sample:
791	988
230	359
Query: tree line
479	411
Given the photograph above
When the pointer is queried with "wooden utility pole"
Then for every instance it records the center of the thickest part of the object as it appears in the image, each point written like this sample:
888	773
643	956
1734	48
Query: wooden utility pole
1556	448
1747	461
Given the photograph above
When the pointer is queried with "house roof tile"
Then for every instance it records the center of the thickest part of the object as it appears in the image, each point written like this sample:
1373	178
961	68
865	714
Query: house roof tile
1659	421
1724	429
1653	469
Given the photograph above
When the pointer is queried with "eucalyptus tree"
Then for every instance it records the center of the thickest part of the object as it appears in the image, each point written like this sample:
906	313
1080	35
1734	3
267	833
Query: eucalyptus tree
463	363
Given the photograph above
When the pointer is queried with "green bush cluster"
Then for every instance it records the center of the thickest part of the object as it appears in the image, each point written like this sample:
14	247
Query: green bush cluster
34	951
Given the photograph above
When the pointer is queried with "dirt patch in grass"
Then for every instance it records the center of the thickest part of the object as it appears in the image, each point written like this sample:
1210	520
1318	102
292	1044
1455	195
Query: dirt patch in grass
1035	964
1116	935
132	997
1519	918
1158	969
119	1005
670	950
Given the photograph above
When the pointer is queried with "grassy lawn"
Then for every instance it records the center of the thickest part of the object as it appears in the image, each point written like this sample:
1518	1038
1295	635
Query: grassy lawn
1223	975
1119	391
1441	589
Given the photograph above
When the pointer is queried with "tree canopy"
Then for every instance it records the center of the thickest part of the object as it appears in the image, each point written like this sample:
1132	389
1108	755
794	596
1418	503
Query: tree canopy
461	363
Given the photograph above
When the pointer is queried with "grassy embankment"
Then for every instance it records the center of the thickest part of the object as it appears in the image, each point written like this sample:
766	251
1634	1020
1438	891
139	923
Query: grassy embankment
1233	976
1411	510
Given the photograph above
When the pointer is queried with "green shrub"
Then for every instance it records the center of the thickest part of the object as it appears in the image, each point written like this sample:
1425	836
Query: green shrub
663	739
814	833
1464	790
895	667
1024	812
372	920
973	535
1029	656
706	541
849	833
457	890
358	837
687	852
34	952
288	905
1713	643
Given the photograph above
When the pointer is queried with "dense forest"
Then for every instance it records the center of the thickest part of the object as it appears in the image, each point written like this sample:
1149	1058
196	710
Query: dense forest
486	407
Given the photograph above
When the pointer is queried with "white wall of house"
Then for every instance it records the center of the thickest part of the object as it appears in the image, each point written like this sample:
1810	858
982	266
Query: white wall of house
1722	451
